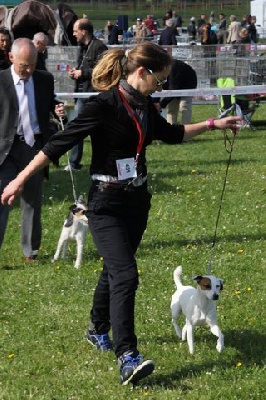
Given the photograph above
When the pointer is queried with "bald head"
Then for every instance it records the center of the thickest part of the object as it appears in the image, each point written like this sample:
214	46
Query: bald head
23	56
83	30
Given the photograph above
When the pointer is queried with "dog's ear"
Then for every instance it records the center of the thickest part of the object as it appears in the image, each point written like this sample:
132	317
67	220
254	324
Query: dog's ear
197	278
69	221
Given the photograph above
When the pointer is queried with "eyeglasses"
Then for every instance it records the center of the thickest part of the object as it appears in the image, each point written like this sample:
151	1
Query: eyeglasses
160	82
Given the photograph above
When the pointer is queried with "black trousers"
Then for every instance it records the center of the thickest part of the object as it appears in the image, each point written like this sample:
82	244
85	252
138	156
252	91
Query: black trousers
117	220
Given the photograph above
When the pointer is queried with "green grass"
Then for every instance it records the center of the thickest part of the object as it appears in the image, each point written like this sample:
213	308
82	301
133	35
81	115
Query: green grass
44	308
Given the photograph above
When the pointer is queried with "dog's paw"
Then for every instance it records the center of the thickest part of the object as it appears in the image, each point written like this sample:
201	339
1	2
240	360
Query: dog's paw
76	266
219	346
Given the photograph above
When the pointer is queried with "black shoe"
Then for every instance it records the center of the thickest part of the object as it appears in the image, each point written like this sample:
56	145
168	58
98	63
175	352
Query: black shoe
102	342
133	368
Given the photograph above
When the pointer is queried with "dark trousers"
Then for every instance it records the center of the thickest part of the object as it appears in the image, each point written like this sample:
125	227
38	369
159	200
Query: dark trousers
31	198
117	220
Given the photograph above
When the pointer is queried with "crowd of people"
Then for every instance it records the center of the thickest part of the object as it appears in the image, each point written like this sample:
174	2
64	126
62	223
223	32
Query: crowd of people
121	122
206	30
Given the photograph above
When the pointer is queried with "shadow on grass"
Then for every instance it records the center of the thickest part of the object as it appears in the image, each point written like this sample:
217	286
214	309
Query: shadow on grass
203	241
13	267
248	344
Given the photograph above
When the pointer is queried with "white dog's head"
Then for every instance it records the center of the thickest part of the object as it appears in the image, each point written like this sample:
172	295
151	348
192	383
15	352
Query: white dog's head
209	285
78	213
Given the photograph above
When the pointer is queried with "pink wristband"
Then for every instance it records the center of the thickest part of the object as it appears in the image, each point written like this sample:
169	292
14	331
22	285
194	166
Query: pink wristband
210	124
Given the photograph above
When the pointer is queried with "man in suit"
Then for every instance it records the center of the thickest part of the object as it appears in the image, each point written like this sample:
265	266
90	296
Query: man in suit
90	51
24	129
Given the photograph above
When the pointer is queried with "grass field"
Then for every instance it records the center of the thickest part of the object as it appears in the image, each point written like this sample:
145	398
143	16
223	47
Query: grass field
44	307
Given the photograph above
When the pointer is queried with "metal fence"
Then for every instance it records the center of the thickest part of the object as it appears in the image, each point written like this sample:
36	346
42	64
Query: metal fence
246	64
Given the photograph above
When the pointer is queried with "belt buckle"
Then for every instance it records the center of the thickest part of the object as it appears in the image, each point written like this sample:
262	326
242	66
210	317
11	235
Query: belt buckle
21	138
138	181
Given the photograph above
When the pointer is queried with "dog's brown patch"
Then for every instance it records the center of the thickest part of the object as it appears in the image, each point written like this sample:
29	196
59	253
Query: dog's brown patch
205	283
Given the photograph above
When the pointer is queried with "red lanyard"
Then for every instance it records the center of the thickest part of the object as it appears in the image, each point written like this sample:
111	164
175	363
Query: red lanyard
141	135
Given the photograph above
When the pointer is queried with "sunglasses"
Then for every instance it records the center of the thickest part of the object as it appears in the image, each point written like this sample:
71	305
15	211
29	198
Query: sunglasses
160	82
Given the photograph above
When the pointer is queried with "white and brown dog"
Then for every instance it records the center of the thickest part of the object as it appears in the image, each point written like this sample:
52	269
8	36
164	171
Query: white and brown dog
198	306
75	228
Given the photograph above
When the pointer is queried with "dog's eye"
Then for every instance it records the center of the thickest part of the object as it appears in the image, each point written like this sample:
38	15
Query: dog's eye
83	212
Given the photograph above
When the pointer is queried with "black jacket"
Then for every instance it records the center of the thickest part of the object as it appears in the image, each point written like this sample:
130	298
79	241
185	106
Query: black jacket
113	133
182	76
168	37
88	57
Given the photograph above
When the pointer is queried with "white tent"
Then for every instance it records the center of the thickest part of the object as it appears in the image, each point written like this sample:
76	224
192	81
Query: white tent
258	8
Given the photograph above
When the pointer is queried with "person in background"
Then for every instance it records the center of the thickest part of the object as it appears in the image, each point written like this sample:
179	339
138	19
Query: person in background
168	34
24	129
208	35
221	29
192	29
5	45
90	51
182	76
150	23
112	33
201	21
212	18
233	36
167	16
122	121
142	32
177	20
41	41
252	30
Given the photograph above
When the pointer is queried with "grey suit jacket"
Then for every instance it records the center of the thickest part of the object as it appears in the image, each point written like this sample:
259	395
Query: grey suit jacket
9	110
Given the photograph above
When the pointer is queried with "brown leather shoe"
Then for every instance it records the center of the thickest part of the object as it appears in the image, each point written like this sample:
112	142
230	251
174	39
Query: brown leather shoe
31	258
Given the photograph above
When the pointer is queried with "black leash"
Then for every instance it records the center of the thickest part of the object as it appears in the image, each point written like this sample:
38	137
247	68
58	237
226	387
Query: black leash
229	145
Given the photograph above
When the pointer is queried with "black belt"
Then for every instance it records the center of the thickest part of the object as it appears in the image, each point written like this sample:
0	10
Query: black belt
22	137
115	186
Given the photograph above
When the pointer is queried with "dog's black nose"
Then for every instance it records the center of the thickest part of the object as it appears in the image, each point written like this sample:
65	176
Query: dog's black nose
215	297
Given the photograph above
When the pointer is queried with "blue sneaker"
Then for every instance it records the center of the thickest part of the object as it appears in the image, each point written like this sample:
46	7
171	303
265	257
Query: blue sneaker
102	342
132	369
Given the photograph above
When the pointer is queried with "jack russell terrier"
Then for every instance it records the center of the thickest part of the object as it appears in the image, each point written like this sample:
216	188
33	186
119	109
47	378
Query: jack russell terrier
198	306
75	228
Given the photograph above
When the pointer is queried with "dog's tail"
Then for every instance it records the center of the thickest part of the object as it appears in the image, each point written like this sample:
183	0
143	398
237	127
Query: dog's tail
177	274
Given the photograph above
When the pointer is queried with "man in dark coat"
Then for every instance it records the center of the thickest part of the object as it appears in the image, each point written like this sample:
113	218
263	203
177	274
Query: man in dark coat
168	34
90	51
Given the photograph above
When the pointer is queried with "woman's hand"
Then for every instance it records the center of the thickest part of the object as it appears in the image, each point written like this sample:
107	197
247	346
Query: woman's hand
231	122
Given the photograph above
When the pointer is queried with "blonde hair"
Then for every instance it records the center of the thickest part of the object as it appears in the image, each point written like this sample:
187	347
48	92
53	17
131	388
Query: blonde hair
118	63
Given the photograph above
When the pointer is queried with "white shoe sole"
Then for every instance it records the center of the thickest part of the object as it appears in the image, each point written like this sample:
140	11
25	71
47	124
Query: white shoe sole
143	370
